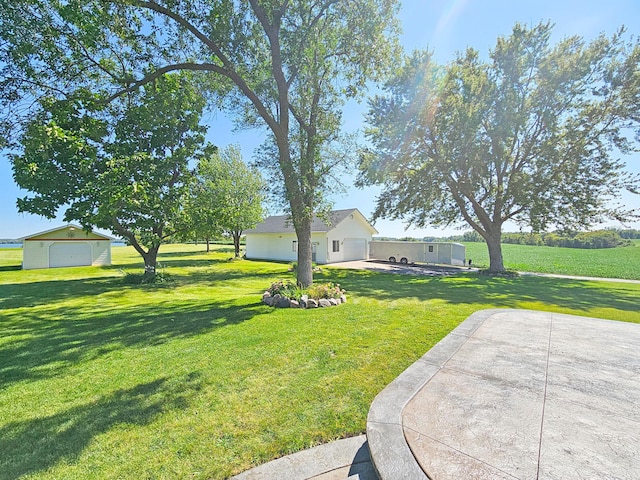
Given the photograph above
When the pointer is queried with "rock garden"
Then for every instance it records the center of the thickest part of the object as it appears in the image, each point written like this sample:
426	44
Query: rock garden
286	294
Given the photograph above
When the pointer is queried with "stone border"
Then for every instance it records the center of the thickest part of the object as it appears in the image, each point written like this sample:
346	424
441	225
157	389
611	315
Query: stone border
279	301
339	459
390	453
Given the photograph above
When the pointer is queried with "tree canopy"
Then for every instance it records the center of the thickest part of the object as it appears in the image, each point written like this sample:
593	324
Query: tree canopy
227	196
124	167
528	136
280	65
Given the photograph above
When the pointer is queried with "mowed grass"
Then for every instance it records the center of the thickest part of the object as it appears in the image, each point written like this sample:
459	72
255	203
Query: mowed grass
198	379
620	262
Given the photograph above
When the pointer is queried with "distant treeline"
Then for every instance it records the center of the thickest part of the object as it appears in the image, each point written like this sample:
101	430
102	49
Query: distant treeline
609	238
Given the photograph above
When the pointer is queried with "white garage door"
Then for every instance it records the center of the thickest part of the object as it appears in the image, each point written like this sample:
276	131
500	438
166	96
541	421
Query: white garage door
69	254
355	249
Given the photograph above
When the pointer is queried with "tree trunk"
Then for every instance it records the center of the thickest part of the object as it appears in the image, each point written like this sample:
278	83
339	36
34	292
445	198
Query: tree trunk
494	245
236	242
305	253
150	263
208	248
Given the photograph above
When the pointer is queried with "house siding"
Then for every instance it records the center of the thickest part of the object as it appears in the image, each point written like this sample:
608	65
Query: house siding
350	228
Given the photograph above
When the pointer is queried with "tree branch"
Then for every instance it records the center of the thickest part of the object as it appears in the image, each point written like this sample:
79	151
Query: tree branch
166	69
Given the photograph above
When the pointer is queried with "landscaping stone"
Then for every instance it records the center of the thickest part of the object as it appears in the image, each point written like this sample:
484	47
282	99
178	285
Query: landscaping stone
282	302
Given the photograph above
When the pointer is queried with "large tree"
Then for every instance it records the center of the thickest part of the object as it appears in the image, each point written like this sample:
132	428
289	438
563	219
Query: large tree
528	136
280	64
124	168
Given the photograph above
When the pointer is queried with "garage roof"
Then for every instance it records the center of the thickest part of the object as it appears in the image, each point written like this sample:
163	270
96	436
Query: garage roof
284	224
65	227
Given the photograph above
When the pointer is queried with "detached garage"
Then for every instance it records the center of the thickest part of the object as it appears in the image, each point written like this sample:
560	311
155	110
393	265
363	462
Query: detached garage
68	246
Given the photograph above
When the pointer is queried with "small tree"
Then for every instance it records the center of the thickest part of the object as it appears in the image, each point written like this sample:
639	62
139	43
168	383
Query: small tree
123	169
227	196
526	137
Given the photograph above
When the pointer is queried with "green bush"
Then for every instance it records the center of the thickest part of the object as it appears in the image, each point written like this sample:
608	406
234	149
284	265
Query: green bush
325	290
287	288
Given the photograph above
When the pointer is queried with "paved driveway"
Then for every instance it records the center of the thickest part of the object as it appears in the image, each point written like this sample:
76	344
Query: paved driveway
408	269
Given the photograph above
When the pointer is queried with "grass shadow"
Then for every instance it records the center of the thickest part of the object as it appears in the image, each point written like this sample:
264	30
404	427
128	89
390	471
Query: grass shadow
48	340
35	445
10	268
471	288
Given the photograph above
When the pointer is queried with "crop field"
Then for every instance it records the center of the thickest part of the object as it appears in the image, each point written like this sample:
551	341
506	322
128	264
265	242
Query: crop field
620	262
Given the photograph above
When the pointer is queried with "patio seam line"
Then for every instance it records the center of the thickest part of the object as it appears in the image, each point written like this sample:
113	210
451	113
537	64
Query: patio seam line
544	397
460	452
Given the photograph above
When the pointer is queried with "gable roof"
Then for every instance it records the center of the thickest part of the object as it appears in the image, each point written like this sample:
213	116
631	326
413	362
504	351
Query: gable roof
284	224
64	227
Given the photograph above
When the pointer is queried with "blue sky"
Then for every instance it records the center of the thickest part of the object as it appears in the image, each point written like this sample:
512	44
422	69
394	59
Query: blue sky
443	26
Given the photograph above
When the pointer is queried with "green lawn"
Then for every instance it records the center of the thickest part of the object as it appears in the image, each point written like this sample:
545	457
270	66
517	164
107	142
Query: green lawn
198	379
621	262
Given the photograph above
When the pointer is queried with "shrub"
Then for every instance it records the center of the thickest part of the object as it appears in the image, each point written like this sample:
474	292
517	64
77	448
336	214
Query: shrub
316	291
286	289
324	290
141	279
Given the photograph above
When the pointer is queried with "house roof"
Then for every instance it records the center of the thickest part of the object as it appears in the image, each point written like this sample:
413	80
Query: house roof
284	224
64	227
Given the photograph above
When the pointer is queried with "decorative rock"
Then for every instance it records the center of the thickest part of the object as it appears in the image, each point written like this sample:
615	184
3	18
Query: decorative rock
283	302
343	299
269	301
303	302
333	301
324	302
311	303
294	304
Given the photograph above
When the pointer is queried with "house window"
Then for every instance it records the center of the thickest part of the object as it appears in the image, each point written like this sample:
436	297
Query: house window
294	246
430	248
336	245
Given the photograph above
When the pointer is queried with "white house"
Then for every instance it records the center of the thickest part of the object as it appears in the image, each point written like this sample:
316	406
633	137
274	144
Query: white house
345	236
67	246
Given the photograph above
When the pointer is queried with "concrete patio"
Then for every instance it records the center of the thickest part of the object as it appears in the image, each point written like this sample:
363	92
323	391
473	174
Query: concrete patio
508	394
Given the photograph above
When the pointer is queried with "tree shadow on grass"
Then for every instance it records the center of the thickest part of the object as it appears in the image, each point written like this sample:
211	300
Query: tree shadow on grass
495	291
32	294
35	445
10	268
45	342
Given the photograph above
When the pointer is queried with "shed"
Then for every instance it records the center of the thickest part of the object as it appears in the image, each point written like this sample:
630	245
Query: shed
66	246
343	236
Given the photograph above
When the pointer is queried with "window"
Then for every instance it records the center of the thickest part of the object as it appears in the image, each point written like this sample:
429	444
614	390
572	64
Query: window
336	245
294	246
430	248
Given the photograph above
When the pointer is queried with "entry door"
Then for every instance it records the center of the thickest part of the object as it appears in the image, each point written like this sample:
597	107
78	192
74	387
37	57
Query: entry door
69	254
